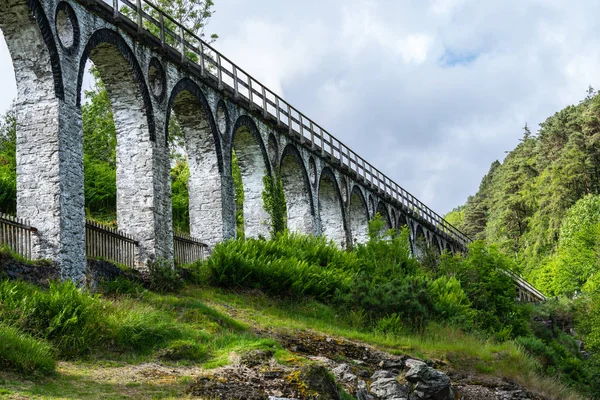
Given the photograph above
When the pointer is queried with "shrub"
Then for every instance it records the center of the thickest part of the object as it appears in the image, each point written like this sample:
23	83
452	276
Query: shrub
63	314
163	277
23	353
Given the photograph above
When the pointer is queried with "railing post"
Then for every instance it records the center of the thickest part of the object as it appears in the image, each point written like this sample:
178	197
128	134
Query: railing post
161	18
301	122
139	16
312	135
116	13
182	33
250	93
290	121
220	71
236	88
264	102
277	110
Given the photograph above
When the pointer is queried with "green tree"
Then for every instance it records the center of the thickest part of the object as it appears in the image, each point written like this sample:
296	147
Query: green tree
8	162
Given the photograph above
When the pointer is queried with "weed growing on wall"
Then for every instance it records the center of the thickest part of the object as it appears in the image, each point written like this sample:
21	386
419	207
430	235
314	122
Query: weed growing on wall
274	200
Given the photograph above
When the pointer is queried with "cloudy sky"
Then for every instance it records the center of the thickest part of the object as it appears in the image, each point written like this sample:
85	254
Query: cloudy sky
431	92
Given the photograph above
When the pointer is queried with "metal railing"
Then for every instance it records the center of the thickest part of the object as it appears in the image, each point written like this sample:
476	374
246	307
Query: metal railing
188	249
15	233
210	64
103	242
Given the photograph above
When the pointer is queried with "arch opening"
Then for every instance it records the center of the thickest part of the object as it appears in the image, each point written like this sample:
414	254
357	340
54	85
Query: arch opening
140	165
359	217
194	142
330	209
296	187
383	211
253	163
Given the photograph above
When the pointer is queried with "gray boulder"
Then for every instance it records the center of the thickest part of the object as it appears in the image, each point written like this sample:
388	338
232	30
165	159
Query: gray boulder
428	383
386	386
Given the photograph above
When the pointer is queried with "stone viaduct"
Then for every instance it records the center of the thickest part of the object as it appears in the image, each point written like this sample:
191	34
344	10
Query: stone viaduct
155	70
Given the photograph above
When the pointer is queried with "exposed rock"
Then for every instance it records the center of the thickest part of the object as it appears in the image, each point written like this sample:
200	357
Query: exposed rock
428	383
256	357
362	391
39	273
343	374
394	364
386	386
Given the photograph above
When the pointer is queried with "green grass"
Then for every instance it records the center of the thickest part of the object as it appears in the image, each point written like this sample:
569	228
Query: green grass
202	327
22	353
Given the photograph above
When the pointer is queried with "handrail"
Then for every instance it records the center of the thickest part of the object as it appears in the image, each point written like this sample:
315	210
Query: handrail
228	76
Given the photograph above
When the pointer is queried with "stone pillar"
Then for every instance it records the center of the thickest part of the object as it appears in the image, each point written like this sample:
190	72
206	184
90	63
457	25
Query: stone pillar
252	167
297	196
330	211
49	143
359	218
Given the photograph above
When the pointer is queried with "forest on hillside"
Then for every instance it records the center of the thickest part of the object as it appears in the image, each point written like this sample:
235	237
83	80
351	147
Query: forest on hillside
541	205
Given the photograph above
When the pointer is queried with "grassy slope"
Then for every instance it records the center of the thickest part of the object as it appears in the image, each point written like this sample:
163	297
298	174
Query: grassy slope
229	323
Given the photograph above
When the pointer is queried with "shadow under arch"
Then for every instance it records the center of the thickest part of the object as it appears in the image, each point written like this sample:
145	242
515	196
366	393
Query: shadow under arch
383	211
203	149
358	214
298	191
113	43
253	161
331	209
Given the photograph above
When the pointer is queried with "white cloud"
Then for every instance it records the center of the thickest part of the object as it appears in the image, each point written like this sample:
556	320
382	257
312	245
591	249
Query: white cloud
414	48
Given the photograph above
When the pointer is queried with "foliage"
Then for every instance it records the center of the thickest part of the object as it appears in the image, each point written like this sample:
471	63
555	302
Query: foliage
63	314
489	289
8	162
274	202
238	187
163	277
180	174
523	203
23	353
290	264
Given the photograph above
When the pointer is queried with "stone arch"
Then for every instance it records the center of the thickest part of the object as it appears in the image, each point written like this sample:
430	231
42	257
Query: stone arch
394	220
49	148
254	162
448	248
203	149
419	241
143	186
298	194
331	211
402	222
273	149
383	211
358	213
110	44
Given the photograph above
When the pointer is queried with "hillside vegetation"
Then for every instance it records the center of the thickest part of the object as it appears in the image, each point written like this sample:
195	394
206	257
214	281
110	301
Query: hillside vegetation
541	205
251	293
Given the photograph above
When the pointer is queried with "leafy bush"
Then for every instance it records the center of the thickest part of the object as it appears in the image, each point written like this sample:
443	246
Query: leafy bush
163	277
63	314
288	265
23	353
490	290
